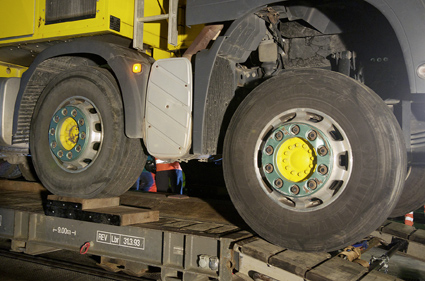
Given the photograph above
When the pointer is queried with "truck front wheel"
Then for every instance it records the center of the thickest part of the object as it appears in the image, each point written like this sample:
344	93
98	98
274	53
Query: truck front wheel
77	138
314	160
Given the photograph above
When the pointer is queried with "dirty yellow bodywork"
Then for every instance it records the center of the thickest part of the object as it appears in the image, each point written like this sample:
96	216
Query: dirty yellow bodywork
10	70
24	21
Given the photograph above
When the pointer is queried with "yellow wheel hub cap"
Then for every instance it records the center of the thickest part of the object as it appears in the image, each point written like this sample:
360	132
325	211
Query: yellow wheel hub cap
68	133
296	159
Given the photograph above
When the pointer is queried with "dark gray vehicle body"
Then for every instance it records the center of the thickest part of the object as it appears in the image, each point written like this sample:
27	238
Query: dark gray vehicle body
404	18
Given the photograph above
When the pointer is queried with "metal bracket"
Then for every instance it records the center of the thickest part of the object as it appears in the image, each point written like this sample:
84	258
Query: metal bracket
140	19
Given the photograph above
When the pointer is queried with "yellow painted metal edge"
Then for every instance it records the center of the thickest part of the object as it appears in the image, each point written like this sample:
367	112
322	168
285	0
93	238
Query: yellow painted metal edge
10	70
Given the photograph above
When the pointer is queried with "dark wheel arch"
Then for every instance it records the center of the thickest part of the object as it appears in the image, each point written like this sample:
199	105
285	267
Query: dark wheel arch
120	60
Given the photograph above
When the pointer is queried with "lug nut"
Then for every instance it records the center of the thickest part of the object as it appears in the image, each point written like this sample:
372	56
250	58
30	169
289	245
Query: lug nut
312	184
295	130
312	135
269	168
74	112
83	135
52	131
78	148
64	112
322	151
295	189
56	118
278	136
60	153
323	169
81	122
269	150
53	144
69	155
278	183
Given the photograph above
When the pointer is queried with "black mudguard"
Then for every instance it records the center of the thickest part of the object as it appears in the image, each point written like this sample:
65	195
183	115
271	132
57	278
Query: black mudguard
120	59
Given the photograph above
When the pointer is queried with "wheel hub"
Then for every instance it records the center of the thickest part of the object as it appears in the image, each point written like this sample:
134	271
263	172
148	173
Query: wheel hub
75	134
67	135
296	159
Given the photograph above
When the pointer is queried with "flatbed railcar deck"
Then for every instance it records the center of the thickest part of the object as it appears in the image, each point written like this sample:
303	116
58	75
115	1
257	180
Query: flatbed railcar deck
193	239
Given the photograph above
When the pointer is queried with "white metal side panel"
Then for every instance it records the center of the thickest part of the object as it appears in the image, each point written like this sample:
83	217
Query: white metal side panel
168	115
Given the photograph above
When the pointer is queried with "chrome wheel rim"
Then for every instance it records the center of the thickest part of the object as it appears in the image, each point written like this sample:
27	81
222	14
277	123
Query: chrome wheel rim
75	134
303	159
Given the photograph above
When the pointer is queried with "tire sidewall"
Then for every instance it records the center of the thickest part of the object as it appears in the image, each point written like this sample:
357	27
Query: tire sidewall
352	107
413	196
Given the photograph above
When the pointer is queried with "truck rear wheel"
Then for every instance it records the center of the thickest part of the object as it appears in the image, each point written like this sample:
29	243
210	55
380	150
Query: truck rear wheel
77	138
314	160
413	196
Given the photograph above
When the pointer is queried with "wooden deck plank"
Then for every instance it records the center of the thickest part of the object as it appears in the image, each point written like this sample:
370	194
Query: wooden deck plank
336	269
398	229
179	224
223	229
218	211
21	186
201	227
260	249
418	236
298	262
21	200
379	276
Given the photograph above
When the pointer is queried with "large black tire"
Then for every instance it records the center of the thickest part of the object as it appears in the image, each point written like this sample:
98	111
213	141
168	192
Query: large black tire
345	194
413	196
94	158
